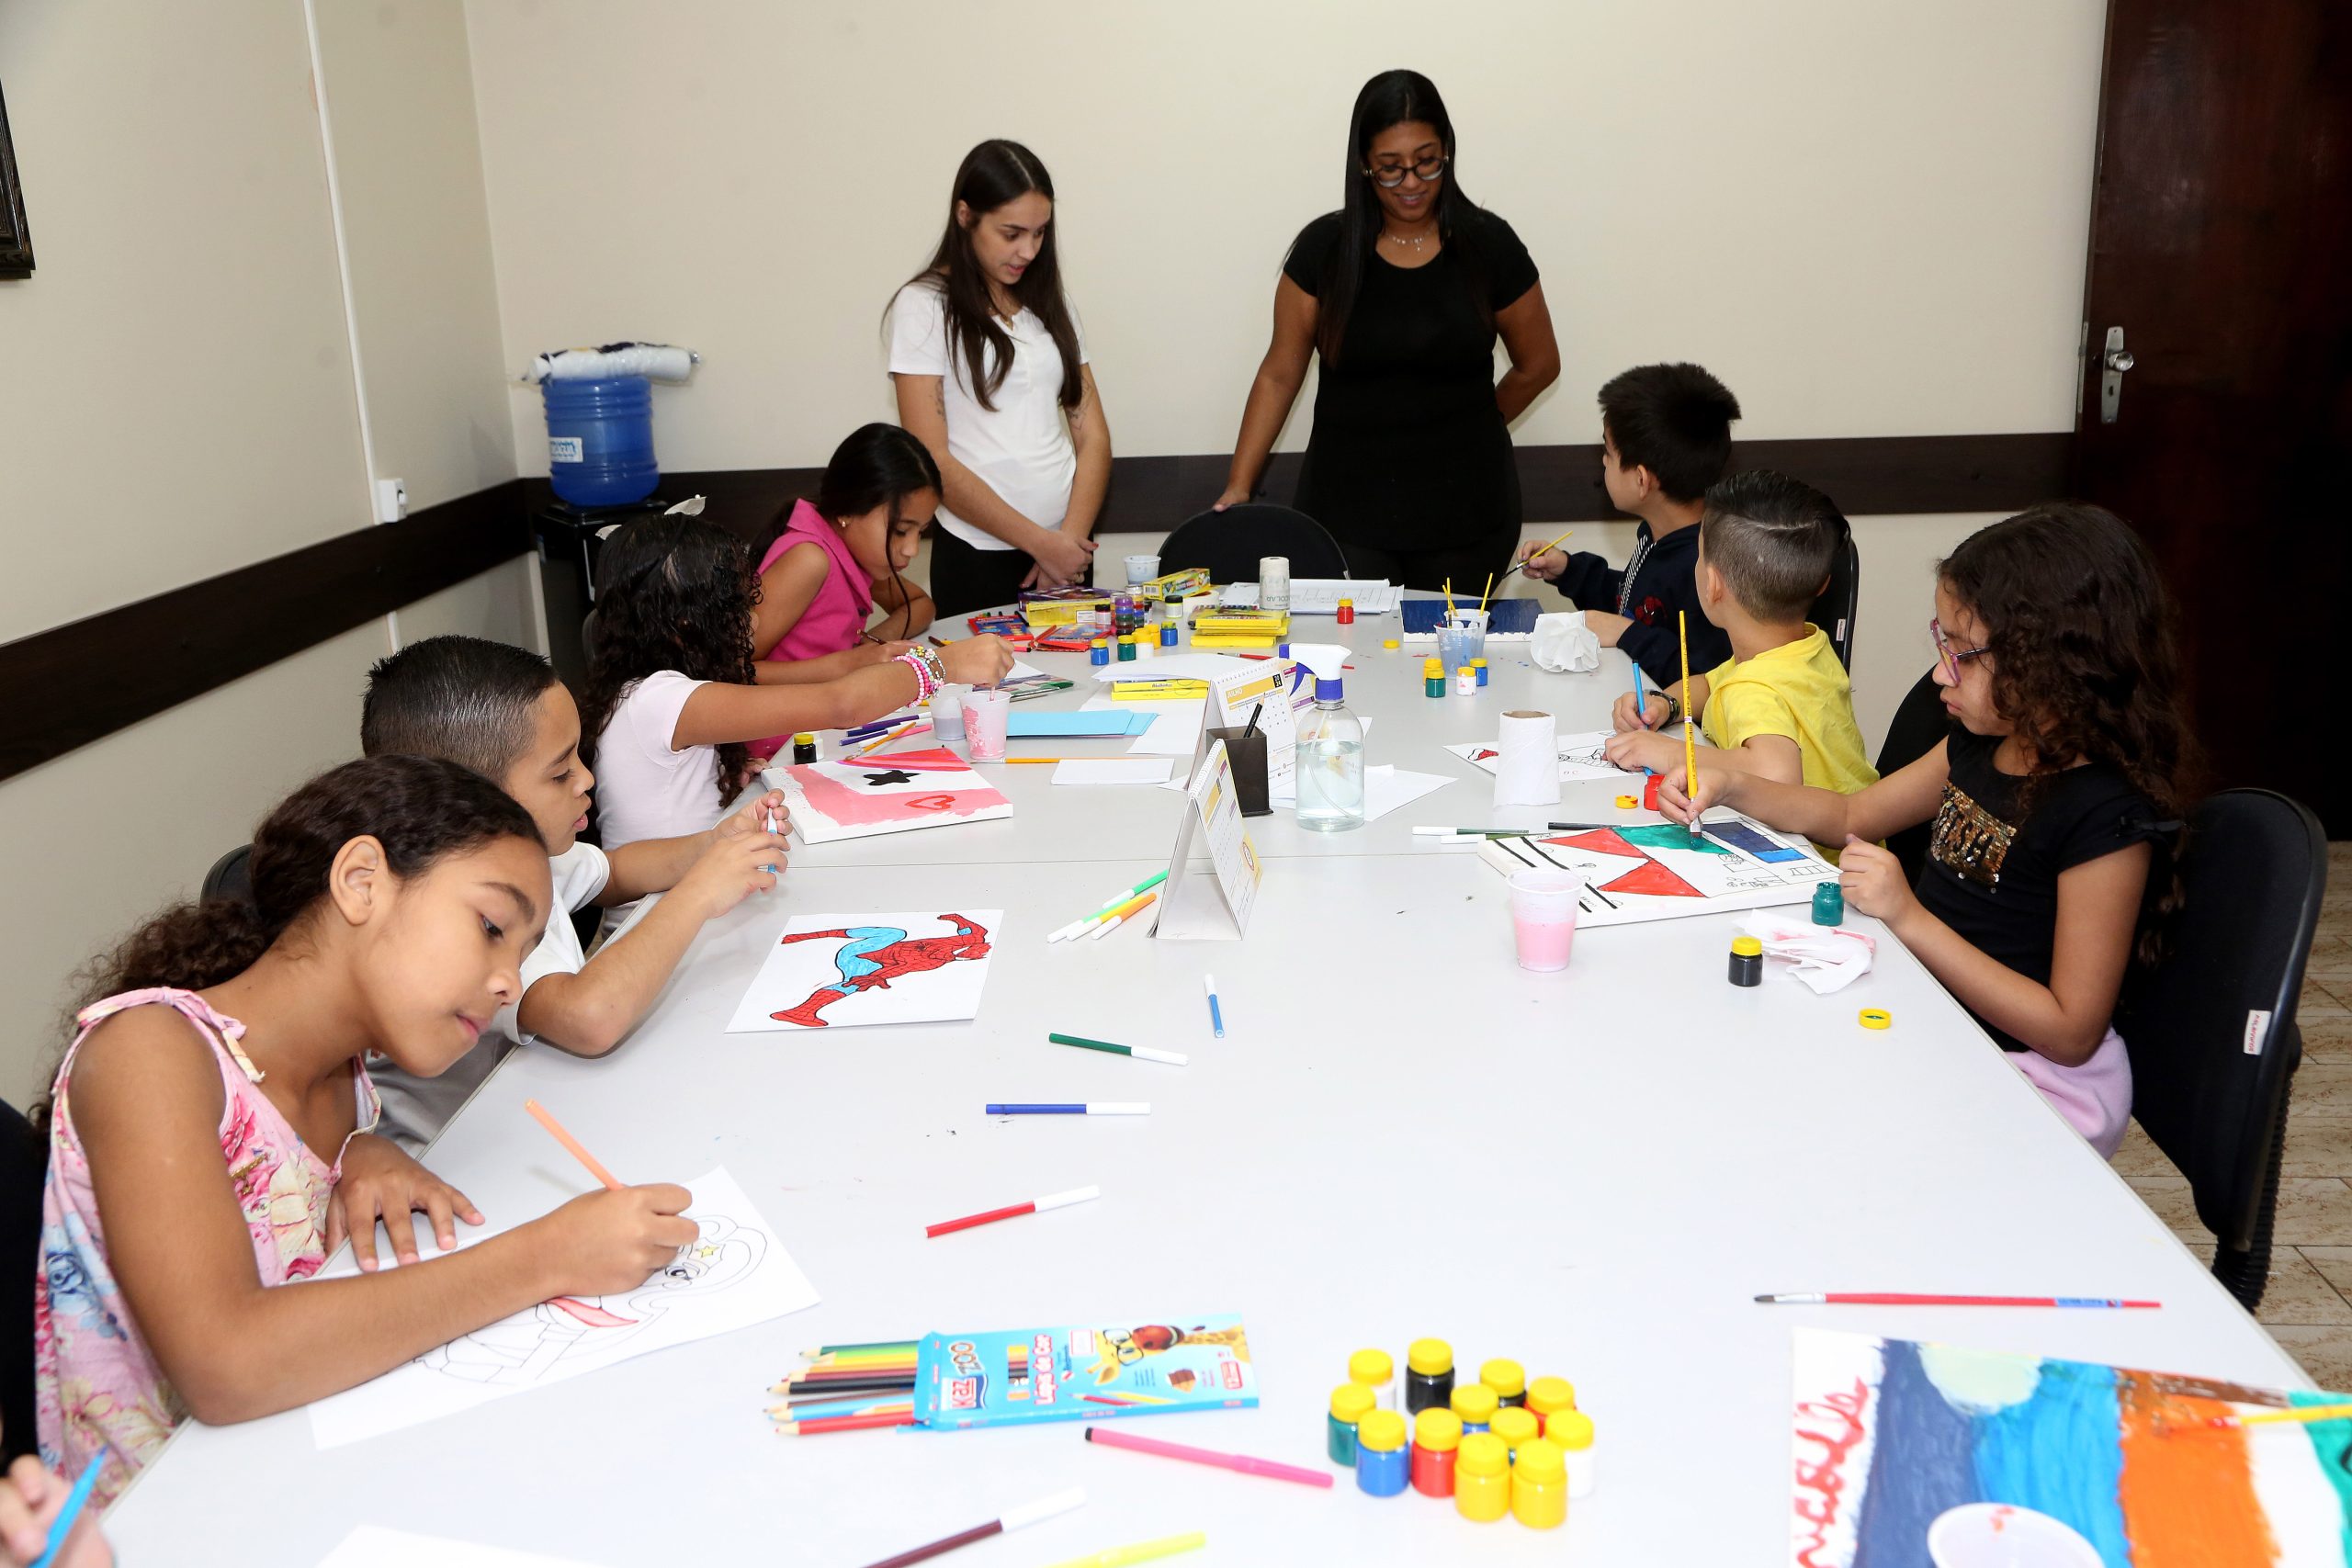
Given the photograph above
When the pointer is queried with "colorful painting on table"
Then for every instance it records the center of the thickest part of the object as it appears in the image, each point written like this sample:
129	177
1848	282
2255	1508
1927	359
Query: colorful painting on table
1893	1434
890	793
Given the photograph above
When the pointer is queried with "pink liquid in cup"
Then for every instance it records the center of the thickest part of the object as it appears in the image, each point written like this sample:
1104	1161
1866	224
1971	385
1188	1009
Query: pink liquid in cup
985	713
1543	918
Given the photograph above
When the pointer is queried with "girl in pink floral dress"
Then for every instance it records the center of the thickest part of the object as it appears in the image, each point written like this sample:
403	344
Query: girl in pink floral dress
209	1125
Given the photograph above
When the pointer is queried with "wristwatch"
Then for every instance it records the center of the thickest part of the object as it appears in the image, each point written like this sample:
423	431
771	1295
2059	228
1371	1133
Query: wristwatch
1673	708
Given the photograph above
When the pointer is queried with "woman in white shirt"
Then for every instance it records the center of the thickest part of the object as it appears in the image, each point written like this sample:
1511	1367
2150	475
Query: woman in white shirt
991	375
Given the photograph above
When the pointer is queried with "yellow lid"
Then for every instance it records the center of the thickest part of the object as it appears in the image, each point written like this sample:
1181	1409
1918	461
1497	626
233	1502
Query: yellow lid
1539	1460
1569	1430
1477	665
1433	667
1381	1431
1429	1356
1436	1431
1102	642
1505	1377
1388	642
1747	947
1482	1453
1372	1367
1351	1401
1546	1394
1349	602
803	738
1515	1425
1465	672
1474	1402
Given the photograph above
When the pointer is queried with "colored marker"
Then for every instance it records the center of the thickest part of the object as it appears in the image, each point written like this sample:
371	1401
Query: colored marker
1141	1552
540	1113
1897	1298
1241	1462
1118	916
1102	911
899	734
1217	1013
873	726
1034	1206
1012	1519
1477	832
1641	699
1141	1053
1076	1108
61	1529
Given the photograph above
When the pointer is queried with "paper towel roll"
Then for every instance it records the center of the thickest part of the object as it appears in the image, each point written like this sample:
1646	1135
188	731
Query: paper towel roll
1528	771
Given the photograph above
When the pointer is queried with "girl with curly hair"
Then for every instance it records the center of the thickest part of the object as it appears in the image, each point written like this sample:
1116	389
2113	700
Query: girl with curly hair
2053	796
673	696
215	1099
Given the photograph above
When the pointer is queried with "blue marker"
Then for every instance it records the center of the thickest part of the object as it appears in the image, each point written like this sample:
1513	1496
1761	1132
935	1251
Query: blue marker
61	1529
1094	1108
1217	1013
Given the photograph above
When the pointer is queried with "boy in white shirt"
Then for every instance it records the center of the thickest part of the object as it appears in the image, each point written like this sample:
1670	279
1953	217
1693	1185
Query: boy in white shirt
501	711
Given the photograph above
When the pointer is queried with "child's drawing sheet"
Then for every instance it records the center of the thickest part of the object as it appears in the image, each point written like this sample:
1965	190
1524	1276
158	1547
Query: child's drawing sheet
887	793
375	1546
1657	870
827	971
1581	757
735	1274
1892	1435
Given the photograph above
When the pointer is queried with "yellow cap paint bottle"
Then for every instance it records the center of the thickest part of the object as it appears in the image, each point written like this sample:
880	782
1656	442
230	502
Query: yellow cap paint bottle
1572	1430
1351	1402
1539	1485
1545	1396
1476	1404
1507	1378
1377	1372
1481	1478
1515	1427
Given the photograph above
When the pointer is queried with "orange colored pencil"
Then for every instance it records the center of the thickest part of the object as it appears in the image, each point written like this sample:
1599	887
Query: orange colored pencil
572	1143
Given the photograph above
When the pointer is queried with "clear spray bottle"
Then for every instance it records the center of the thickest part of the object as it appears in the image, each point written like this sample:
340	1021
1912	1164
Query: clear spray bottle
1331	746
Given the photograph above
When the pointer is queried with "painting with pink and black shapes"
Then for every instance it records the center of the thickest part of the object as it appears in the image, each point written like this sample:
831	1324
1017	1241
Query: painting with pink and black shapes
891	792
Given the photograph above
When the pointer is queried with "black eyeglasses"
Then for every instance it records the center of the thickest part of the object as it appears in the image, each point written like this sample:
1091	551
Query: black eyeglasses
1388	176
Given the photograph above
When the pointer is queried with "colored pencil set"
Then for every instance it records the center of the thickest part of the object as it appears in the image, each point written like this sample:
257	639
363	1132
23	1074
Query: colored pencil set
847	1388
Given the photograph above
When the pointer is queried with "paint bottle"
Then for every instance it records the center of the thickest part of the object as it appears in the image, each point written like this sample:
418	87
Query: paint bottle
1649	791
1828	904
1428	1375
1351	1402
1381	1464
1347	616
1126	650
1547	1395
1476	1404
1481	1478
1144	645
1098	651
1507	1378
1465	681
1376	1372
1514	1426
1437	1433
1433	677
1746	961
1480	666
1539	1485
1572	1431
1167	633
804	748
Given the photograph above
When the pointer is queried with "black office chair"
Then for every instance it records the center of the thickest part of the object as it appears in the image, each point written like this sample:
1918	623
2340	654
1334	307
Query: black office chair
229	877
1834	611
2211	1029
1919	722
1230	544
24	1163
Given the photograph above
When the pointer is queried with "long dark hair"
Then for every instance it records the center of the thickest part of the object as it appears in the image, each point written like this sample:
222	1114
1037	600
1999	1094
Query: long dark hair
419	808
991	175
674	593
876	464
1394	98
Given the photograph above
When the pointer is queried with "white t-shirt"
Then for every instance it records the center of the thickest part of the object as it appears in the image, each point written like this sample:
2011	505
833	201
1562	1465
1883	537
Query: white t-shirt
645	789
416	1109
1021	449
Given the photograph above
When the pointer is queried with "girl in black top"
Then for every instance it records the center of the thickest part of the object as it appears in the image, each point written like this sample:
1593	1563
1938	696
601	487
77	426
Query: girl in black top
1403	291
2050	798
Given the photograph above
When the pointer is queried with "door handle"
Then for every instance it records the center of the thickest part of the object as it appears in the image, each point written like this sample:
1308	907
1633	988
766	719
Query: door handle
2112	364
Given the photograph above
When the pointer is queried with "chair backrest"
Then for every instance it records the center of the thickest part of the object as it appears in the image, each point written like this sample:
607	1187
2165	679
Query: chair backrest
1919	722
1834	611
2212	1028
24	1164
1231	543
229	877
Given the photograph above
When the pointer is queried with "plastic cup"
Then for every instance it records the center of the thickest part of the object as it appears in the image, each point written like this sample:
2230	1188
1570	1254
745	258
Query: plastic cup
1141	570
984	719
1543	918
947	712
2001	1535
1463	638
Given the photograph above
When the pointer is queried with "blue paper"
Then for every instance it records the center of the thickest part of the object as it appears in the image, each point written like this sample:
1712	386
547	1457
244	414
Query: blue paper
1072	725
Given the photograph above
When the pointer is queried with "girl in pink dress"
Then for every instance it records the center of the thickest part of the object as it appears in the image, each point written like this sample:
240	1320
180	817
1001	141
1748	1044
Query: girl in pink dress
209	1125
838	560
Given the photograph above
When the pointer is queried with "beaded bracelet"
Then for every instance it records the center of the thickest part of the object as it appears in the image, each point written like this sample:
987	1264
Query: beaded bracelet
930	673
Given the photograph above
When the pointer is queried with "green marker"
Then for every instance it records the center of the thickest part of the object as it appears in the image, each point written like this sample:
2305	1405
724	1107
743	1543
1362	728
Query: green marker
1141	1054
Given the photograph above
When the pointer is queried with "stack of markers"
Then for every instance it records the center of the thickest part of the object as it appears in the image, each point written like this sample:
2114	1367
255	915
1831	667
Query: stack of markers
1502	1444
844	1388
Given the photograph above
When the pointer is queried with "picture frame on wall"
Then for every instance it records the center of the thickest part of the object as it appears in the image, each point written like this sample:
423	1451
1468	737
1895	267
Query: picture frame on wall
16	240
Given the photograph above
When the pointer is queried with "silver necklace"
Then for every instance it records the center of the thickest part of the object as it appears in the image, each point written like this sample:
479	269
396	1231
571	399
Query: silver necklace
1417	241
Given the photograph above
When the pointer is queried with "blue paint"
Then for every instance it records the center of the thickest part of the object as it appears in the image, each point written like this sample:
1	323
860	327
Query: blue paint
2332	1445
1748	841
2060	1452
1921	1464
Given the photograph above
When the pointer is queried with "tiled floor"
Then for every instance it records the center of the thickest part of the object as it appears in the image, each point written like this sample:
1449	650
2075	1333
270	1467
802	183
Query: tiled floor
2308	1307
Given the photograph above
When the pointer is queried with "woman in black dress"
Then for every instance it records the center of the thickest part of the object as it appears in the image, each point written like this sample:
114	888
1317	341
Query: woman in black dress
1403	292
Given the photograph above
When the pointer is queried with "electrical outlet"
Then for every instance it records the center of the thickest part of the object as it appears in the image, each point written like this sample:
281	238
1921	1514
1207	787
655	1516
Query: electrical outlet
392	501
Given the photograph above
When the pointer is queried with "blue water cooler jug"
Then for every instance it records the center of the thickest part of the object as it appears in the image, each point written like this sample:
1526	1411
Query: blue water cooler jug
600	440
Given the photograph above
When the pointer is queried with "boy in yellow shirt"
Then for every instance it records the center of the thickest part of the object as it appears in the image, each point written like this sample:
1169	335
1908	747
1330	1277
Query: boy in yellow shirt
1780	707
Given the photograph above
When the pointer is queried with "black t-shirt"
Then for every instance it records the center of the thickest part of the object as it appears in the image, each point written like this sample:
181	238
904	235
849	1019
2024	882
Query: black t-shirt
1409	450
1993	879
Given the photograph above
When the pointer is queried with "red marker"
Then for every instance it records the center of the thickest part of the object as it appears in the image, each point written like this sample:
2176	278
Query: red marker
1034	1206
1896	1298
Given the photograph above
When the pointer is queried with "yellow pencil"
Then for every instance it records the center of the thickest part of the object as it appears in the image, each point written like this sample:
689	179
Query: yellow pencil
1489	591
1690	746
1446	588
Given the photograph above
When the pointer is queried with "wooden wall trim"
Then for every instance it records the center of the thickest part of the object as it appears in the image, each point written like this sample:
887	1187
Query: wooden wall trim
79	682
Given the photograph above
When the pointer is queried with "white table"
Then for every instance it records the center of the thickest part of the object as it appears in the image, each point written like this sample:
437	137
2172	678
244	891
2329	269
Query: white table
1401	1135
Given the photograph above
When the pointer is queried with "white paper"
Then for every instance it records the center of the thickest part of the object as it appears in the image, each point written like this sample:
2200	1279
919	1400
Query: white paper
1175	727
1527	767
1581	757
737	1274
1386	787
1176	667
827	971
1650	871
375	1546
1022	670
1318	596
1114	771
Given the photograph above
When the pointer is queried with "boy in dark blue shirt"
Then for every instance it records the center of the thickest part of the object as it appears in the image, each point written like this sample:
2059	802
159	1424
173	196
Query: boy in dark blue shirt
1665	437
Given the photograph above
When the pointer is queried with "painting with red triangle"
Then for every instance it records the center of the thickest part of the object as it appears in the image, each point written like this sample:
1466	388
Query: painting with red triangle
1653	870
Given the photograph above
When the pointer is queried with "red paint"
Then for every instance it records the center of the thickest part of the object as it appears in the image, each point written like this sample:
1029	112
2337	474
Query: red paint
1432	1472
1825	1477
1602	841
1653	878
593	1317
